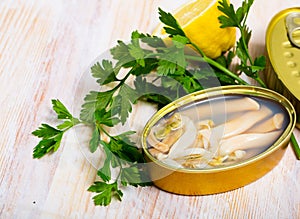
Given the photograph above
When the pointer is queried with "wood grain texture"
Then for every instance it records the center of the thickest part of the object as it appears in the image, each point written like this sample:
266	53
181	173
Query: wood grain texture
45	48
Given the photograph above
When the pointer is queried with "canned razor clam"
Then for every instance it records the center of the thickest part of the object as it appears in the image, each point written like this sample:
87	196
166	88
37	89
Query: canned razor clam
292	22
192	161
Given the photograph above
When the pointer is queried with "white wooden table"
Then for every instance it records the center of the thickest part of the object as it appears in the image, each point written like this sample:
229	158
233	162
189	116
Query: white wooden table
45	46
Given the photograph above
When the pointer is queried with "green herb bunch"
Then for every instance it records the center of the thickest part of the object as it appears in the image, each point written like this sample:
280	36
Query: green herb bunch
174	73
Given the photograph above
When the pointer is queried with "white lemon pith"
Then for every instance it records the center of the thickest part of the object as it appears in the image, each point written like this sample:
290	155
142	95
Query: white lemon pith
199	21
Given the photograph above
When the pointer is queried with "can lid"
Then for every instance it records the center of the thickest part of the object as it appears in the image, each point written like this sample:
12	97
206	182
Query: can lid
292	23
283	47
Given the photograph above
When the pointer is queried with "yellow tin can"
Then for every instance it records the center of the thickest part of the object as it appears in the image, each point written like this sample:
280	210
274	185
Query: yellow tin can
198	113
283	47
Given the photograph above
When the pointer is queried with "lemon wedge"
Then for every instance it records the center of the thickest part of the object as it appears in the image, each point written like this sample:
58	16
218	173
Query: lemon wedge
199	21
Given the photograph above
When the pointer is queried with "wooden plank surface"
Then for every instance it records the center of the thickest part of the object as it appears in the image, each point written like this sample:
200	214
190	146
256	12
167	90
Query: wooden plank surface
45	48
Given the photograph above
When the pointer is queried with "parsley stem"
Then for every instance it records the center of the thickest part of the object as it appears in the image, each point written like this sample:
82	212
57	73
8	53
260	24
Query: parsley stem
219	66
101	129
242	31
225	70
295	146
260	81
122	81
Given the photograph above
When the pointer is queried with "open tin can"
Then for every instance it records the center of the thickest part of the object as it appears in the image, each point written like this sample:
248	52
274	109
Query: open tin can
172	174
283	47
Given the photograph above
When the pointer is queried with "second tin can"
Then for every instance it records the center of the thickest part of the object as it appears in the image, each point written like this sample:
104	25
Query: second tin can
283	47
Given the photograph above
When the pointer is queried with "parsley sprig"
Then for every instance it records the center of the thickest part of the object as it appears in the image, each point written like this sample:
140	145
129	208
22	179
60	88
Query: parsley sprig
51	137
237	18
145	69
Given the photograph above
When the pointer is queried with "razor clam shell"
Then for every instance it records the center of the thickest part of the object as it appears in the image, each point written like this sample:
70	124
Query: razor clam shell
187	138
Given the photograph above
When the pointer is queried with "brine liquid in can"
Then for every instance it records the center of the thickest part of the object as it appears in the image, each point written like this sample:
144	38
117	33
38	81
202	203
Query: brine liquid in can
196	137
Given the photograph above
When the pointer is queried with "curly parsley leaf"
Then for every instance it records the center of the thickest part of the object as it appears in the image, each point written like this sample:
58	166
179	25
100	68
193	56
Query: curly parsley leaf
125	150
105	73
135	49
172	59
61	110
95	140
131	175
104	172
122	103
259	63
106	118
51	137
152	41
105	192
172	26
121	53
94	101
153	93
237	18
232	17
50	142
120	153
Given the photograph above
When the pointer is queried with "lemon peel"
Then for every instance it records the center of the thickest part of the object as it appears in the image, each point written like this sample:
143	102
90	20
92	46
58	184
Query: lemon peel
199	21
